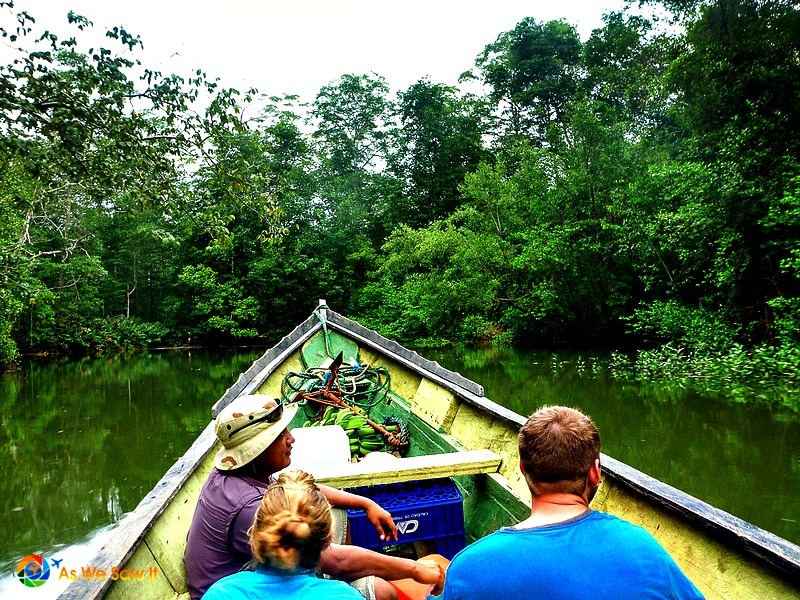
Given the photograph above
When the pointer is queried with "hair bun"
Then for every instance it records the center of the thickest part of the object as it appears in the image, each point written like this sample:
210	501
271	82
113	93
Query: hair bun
293	523
298	529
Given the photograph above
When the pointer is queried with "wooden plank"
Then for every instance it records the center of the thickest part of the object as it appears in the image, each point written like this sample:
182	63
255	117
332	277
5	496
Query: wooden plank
366	472
435	405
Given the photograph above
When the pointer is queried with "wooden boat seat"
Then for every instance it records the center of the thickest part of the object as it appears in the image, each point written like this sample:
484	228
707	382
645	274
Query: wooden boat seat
413	468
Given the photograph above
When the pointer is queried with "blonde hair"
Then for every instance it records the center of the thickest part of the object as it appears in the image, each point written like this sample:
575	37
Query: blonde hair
293	523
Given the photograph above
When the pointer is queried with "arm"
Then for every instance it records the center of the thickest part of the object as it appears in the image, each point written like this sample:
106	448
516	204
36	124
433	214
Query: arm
380	518
352	562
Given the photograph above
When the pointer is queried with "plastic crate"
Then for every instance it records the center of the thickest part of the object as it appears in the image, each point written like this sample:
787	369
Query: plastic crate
431	509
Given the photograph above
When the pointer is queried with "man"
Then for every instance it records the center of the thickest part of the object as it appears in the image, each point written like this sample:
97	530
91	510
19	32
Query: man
565	550
256	444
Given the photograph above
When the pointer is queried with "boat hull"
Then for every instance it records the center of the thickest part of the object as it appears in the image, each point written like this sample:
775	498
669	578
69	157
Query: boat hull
725	557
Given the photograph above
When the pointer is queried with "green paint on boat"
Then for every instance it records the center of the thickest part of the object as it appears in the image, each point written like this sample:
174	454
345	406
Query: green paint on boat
321	349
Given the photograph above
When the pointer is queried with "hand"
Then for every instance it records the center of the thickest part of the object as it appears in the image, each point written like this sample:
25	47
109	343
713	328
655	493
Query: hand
430	572
382	520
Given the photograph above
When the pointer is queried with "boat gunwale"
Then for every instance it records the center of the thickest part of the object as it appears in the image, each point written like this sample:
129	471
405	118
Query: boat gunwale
263	367
132	529
727	528
432	370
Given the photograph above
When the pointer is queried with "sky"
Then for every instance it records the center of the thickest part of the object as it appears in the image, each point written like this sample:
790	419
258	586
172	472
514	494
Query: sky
298	46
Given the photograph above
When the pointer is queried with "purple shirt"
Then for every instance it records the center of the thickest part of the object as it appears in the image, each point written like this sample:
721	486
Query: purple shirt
218	543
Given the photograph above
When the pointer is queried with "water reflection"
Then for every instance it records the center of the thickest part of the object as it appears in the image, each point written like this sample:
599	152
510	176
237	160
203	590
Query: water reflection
83	442
742	458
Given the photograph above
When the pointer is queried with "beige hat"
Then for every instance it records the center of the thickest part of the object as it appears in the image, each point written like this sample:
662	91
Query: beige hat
247	426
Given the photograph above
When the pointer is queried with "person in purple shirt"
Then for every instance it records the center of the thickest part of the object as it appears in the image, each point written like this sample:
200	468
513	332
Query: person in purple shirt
256	444
292	527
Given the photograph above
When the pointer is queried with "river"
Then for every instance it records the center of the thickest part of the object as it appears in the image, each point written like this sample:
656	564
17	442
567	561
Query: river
83	441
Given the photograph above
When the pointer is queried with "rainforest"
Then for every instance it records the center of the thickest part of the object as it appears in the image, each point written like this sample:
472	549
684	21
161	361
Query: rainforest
637	191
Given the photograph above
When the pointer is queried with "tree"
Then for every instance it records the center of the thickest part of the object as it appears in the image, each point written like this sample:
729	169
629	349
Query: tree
354	130
429	282
738	92
215	310
91	133
14	187
626	63
560	279
353	119
439	141
532	73
783	224
290	161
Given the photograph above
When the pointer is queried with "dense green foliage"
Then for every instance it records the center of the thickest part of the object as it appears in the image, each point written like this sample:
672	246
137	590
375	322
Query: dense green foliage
640	189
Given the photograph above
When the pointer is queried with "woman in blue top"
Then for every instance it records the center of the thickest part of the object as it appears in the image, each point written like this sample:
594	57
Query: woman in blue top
292	526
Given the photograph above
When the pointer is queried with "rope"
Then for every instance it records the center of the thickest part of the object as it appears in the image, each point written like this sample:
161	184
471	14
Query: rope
375	384
324	329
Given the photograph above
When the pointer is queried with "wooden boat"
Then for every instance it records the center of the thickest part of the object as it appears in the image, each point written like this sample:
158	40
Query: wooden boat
455	431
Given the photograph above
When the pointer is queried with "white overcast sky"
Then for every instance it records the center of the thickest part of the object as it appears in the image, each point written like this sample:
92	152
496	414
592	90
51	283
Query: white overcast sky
297	46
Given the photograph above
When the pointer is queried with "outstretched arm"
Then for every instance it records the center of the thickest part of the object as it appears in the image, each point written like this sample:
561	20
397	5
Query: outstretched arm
380	518
352	562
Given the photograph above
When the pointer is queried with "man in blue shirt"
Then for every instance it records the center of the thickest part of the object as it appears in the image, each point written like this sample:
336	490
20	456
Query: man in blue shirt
565	550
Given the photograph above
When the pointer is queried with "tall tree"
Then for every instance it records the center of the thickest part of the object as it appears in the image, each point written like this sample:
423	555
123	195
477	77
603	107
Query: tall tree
353	118
92	133
290	160
354	129
626	62
532	73
438	143
739	98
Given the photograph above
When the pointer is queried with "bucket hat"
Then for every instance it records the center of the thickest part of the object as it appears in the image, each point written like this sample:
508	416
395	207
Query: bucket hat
247	426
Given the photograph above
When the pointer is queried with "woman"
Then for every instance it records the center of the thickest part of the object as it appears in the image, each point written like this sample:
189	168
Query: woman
291	528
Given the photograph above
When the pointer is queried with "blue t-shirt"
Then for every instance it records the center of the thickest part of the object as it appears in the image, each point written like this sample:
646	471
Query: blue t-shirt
267	582
595	555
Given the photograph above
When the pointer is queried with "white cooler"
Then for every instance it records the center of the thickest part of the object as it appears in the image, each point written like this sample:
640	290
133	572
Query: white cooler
318	447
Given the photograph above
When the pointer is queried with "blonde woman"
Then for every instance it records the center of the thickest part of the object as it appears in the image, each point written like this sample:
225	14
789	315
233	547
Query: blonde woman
291	528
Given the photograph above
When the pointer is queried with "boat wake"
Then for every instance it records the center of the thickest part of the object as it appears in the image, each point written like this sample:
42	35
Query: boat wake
71	558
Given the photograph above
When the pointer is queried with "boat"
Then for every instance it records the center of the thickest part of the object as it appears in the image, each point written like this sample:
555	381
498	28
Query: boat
453	431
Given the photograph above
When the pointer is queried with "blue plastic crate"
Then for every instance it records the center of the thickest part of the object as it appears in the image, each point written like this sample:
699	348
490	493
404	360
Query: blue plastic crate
431	509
